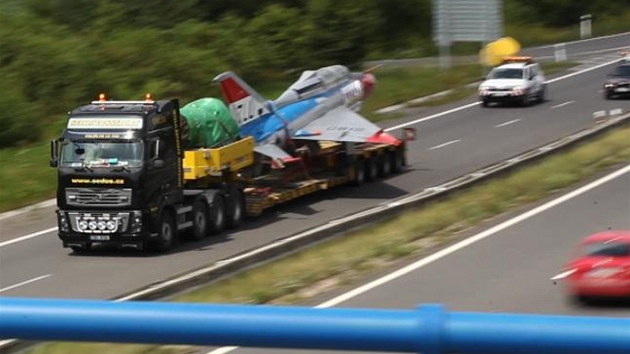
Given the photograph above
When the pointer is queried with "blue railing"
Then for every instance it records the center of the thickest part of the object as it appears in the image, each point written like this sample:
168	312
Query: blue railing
429	329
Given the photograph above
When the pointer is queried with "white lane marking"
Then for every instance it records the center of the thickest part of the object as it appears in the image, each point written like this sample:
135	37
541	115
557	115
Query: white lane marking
507	123
583	71
26	237
433	116
564	274
562	104
437	115
451	249
25	282
445	144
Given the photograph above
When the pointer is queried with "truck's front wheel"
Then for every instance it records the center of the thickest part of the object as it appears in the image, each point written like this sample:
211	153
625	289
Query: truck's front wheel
166	233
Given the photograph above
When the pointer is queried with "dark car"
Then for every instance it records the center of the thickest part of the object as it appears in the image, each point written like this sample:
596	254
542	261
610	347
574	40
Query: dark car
618	83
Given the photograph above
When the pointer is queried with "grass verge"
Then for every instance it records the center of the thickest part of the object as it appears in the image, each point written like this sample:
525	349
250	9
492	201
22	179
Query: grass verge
345	260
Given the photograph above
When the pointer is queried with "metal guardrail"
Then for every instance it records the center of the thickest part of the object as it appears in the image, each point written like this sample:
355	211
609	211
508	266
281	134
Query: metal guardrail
429	329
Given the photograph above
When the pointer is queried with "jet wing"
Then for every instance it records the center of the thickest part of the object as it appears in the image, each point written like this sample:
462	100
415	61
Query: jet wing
273	151
339	124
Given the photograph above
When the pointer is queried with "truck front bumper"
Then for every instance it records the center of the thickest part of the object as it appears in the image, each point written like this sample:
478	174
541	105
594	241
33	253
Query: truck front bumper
83	228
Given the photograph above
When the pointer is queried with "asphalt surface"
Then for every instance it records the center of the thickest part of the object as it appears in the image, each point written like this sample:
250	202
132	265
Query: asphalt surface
509	271
448	146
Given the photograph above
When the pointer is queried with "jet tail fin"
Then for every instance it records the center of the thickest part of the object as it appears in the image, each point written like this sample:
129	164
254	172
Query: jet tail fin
245	103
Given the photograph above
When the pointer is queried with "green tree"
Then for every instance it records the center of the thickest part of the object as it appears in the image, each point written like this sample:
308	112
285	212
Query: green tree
279	38
19	118
338	31
403	21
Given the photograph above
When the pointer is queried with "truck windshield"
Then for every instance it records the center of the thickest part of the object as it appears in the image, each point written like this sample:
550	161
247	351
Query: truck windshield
102	154
506	74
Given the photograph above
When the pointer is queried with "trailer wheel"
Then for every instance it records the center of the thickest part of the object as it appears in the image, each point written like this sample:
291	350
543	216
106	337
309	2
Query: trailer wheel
217	215
371	169
236	204
359	173
385	165
167	233
397	160
199	219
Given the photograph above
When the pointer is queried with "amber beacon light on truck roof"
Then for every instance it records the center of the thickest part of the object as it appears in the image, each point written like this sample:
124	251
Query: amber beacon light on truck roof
102	99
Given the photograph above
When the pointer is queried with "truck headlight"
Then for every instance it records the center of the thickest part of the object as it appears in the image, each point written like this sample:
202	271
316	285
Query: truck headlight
111	225
136	222
92	225
63	223
83	225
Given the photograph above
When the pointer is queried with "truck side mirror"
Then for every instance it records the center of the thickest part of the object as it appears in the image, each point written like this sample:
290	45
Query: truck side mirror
155	149
156	153
54	153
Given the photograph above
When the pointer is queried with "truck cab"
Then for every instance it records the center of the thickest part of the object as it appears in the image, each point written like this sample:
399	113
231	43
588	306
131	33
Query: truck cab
119	172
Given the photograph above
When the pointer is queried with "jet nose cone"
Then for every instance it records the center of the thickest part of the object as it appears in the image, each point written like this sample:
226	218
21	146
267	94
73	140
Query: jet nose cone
368	81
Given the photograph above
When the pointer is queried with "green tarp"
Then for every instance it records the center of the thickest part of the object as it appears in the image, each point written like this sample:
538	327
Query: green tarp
210	123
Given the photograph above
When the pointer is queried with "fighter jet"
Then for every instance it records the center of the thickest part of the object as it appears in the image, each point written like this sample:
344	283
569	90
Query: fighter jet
321	105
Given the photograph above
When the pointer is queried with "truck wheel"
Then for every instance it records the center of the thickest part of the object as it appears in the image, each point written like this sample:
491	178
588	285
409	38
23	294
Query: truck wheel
217	215
236	207
167	233
385	165
371	169
199	219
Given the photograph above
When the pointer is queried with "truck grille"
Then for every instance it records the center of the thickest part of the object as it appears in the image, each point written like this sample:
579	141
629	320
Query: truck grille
98	196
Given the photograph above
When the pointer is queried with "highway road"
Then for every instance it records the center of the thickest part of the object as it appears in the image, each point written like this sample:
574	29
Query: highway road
452	140
504	268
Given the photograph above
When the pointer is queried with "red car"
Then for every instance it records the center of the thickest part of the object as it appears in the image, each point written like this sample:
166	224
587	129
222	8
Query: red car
601	268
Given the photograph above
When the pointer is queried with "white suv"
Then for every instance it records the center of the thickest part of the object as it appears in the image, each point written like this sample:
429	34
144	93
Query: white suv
517	79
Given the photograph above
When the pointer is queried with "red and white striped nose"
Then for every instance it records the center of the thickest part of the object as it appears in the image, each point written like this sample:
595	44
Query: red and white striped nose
368	81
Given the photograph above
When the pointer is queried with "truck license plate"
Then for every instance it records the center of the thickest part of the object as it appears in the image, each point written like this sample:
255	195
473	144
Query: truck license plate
99	238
